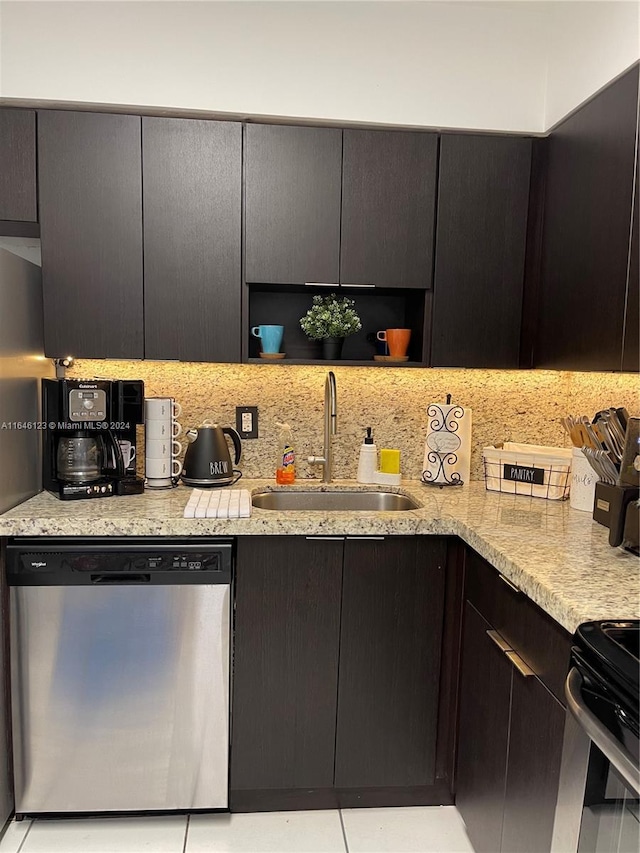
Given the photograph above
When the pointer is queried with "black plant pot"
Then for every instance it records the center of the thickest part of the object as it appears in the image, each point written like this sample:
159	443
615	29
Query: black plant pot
332	348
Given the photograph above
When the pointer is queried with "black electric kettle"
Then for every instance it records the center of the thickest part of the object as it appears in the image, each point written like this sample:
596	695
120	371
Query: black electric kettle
207	461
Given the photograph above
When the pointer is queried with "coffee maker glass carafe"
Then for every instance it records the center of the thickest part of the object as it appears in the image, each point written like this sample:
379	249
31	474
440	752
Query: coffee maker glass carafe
79	459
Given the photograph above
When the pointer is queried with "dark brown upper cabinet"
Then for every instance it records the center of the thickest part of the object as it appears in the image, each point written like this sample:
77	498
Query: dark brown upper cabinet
18	200
192	179
388	208
588	214
483	198
90	182
292	204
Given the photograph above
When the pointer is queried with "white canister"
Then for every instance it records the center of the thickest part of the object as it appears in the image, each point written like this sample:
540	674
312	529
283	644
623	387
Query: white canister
583	482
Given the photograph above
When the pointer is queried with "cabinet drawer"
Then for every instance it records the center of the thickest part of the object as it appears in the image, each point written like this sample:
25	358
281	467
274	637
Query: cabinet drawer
533	634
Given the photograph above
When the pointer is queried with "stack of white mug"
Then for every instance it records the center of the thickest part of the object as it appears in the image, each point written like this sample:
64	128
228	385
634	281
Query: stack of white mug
161	447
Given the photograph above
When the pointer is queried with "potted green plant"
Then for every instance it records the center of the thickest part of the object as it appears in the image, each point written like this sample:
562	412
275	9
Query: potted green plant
331	320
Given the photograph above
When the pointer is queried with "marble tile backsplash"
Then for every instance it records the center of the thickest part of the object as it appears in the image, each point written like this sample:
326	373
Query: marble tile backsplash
508	405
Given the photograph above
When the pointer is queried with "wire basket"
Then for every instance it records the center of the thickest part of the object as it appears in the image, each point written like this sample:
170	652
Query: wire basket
528	469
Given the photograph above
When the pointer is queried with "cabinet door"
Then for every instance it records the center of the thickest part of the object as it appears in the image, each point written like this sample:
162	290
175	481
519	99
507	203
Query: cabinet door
483	199
18	165
529	631
90	183
483	734
533	770
392	611
192	178
292	195
285	680
588	200
388	208
631	340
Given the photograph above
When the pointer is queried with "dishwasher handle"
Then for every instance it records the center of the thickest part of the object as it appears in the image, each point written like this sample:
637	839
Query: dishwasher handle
120	578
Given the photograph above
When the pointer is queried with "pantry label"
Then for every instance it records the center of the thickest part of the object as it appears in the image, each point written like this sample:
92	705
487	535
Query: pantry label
523	474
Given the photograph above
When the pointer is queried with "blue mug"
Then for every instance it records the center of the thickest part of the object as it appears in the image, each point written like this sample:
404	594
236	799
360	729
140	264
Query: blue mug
270	337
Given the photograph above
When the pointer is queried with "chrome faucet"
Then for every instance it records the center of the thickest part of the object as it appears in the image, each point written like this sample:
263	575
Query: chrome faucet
330	428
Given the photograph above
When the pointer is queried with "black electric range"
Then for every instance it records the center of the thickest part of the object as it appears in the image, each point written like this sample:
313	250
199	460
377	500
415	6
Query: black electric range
607	654
598	808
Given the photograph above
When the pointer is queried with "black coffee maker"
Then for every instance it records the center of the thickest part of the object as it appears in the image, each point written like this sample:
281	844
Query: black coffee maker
90	437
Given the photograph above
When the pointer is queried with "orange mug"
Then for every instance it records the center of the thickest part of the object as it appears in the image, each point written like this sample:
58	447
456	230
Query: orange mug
397	341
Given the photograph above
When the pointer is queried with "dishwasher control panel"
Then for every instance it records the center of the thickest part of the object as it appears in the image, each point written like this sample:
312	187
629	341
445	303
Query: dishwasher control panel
64	561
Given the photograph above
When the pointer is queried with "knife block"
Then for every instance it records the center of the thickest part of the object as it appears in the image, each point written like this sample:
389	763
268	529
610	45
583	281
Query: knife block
610	507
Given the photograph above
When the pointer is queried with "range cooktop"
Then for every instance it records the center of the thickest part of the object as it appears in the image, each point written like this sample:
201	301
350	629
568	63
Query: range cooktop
608	656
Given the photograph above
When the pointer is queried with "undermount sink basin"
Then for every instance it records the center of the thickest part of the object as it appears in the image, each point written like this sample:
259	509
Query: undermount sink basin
335	501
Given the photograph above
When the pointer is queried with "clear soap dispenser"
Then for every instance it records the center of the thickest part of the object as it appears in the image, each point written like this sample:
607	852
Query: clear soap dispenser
368	460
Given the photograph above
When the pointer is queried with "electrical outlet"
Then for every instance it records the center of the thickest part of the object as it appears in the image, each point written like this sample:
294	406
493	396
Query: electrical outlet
247	421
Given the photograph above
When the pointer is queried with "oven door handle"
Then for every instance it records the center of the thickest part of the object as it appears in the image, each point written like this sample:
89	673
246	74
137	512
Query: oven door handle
606	743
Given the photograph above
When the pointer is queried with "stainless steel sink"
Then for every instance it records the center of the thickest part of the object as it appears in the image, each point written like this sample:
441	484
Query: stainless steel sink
334	501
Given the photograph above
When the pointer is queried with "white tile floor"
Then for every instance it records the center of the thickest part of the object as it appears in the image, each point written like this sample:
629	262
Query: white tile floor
436	829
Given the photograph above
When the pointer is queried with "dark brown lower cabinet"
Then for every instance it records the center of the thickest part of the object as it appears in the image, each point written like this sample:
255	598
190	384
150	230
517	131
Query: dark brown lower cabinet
336	678
390	639
483	734
285	669
509	747
533	769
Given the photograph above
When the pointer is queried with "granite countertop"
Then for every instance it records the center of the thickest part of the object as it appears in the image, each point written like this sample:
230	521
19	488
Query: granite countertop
558	556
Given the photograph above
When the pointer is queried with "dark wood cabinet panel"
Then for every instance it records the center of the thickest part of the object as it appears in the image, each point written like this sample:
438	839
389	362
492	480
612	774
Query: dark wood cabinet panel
388	208
588	197
18	200
511	725
631	342
532	633
89	170
292	198
483	198
285	679
392	610
533	770
192	179
483	734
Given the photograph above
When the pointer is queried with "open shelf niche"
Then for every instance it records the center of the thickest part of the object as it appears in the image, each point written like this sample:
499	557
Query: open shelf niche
377	308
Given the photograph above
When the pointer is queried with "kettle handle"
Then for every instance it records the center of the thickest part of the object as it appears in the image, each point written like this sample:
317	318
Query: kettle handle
237	444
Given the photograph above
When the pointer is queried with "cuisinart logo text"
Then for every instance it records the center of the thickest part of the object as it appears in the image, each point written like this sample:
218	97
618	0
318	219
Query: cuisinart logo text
87	385
38	565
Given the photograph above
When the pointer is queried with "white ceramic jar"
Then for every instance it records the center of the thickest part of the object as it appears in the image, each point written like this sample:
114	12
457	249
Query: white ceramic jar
583	482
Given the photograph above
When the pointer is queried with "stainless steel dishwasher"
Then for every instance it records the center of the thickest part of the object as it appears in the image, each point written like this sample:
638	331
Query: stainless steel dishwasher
119	673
